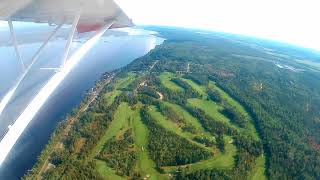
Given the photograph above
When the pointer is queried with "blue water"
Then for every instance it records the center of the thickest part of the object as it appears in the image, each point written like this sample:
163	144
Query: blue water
114	50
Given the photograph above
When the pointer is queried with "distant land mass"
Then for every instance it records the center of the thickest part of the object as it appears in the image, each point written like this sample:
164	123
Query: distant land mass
202	105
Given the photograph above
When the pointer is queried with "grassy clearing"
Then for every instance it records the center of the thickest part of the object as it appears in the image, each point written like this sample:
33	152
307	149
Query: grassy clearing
228	99
144	165
106	172
185	115
121	116
164	122
188	118
259	170
124	82
209	107
125	118
212	109
250	130
170	126
220	161
165	79
110	96
200	89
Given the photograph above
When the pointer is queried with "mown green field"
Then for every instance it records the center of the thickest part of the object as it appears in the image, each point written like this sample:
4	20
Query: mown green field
223	161
124	82
210	107
121	120
106	172
110	96
192	122
166	81
169	125
200	89
186	116
144	165
259	170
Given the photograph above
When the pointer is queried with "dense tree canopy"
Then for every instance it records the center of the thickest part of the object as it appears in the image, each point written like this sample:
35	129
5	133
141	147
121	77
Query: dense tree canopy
253	103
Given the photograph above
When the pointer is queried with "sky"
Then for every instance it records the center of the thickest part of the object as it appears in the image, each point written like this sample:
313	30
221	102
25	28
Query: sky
292	21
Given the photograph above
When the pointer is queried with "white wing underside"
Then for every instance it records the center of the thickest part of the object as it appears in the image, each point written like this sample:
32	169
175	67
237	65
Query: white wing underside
64	11
84	15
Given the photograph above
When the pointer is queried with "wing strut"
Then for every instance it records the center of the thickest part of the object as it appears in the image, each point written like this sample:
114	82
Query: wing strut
15	43
9	95
36	55
70	38
17	128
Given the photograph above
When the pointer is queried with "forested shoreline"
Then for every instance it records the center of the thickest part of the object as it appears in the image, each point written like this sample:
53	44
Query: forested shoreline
198	106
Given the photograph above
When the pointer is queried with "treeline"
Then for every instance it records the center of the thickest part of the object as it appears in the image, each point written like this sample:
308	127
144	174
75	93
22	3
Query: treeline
72	169
199	78
248	148
119	154
211	125
176	118
234	115
205	140
189	91
203	175
149	91
70	151
168	149
228	110
278	135
177	97
214	96
215	127
171	114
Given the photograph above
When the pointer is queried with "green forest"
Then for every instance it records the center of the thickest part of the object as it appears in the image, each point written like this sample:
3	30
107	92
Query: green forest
198	106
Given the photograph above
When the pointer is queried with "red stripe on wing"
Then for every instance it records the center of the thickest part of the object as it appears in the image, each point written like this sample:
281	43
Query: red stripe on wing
82	28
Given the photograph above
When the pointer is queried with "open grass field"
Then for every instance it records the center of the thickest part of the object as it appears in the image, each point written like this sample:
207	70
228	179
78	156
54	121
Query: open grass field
144	165
121	117
165	79
212	109
209	107
250	130
231	76
106	172
124	82
186	116
259	170
223	161
125	118
170	126
200	89
228	99
110	96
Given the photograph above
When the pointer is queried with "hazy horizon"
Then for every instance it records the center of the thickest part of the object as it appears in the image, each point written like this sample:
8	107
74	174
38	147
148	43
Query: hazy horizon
292	22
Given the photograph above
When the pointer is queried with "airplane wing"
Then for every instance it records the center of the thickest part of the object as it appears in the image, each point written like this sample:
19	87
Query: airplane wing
94	13
83	16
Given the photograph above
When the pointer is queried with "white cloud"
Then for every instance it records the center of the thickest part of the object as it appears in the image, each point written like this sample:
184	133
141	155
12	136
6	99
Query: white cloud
293	21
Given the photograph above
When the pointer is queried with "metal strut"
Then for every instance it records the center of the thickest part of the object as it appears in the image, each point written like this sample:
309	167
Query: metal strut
15	43
9	95
36	55
19	126
70	39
